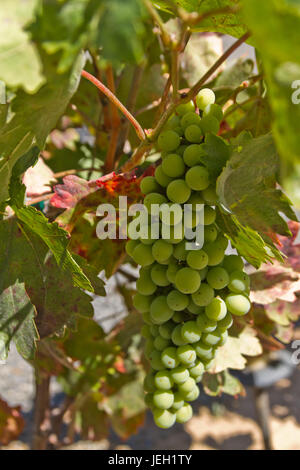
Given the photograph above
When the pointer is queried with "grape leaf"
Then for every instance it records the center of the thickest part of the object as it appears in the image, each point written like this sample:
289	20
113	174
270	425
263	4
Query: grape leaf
70	192
223	382
217	154
11	423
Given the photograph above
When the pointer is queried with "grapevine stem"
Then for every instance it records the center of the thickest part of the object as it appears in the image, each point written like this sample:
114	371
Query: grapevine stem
138	129
157	19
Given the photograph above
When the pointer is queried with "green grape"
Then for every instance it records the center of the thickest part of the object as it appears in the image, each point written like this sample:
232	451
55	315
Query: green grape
190	332
144	284
177	301
164	419
180	151
161	343
239	282
226	323
216	310
173	121
155	360
217	278
149	185
162	179
197	370
190	118
203	296
203	351
209	215
203	273
154	199
163	399
208	363
168	141
166	329
223	338
178	131
160	311
169	358
185	108
198	379
195	199
210	196
193	394
149	383
222	242
205	324
178	401
186	354
180	374
163	380
213	110
177	338
193	134
238	304
197	259
149	400
193	308
180	252
184	414
215	254
210	124
146	332
172	270
212	339
197	178
187	280
147	318
204	98
192	155
210	234
130	246
154	330
159	275
179	317
187	386
178	191
142	302
149	348
173	165
233	263
142	255
161	251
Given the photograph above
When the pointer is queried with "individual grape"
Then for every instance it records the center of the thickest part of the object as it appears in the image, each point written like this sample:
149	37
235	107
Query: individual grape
178	401
159	275
213	110
180	151
186	354
204	98
172	270
179	317
173	165
203	351
172	122
210	234
210	196
222	242
149	348
154	330
197	369
147	318
187	386
209	124
149	400
190	118
177	301
216	310
146	332
217	278
160	311
223	338
149	185
215	254
180	252
162	179
226	323
197	178
190	332
238	304
193	134
163	380
233	263
153	199
142	255
169	358
130	246
185	108
197	259
142	302
163	399
209	215
193	308
178	191
166	329
168	141
180	374
144	284
205	324
192	155
184	414
239	282
161	251
212	339
149	383
155	360
178	131
187	280
203	273
161	343
177	338
203	296
193	394
164	419
196	199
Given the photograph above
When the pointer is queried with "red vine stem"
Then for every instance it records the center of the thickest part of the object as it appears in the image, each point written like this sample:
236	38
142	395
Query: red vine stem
138	129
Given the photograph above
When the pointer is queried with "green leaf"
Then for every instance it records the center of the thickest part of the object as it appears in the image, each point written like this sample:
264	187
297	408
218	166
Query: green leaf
223	382
20	64
34	117
217	154
16	188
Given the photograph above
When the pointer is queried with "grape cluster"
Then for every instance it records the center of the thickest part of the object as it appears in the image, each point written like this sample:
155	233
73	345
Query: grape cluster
186	298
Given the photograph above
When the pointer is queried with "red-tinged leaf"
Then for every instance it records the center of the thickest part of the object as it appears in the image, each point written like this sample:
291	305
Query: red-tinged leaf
11	423
68	194
273	282
283	313
120	185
